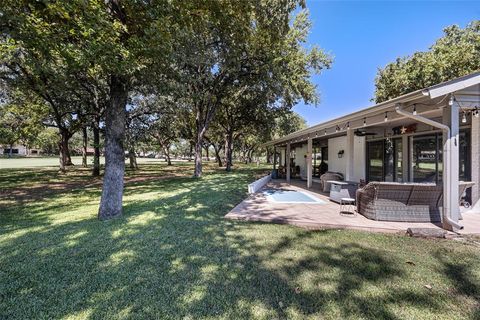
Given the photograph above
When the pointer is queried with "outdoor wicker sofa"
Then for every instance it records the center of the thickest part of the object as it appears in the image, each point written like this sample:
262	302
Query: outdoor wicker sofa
405	202
329	176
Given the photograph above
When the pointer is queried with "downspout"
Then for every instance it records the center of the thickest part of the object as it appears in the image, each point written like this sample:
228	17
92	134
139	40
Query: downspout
447	152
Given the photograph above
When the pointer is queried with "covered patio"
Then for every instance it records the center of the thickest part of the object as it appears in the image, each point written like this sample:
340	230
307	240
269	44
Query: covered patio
326	215
411	157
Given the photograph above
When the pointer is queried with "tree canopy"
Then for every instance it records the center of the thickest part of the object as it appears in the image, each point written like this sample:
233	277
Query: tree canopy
160	72
455	54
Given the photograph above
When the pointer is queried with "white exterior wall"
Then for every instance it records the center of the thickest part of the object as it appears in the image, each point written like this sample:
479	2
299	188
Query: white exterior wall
339	164
22	150
334	162
359	164
300	160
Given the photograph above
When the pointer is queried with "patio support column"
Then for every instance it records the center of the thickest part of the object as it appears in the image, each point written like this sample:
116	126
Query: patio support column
450	172
287	159
349	172
405	164
309	163
274	158
475	159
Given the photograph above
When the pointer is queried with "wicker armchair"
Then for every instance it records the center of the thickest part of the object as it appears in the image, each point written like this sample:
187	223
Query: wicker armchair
329	176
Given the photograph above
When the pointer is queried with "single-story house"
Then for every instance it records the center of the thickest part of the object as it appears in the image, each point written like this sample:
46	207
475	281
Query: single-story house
19	150
429	136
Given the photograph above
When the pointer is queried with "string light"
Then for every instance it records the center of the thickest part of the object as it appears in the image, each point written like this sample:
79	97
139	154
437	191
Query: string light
476	113
364	122
337	128
348	125
464	117
325	131
386	116
414	109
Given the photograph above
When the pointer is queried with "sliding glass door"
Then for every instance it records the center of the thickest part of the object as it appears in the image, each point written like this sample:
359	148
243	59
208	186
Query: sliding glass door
375	159
320	161
398	159
384	160
427	158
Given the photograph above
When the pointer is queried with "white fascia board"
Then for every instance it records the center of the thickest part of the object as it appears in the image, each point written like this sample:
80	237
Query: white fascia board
453	85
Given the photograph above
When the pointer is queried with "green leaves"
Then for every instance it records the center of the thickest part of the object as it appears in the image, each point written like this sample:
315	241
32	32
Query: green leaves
453	55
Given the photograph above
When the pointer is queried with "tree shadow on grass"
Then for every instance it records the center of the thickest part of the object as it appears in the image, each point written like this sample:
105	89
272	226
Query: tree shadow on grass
463	279
175	257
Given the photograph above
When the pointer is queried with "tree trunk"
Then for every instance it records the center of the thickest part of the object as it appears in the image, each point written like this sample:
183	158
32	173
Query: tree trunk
133	159
249	155
217	155
228	151
67	149
198	159
269	156
112	191
167	155
206	152
96	148
198	147
10	152
191	151
64	156
84	147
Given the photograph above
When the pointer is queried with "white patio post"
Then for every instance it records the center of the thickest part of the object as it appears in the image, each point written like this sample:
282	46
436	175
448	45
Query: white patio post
309	163
349	174
287	159
405	169
475	141
274	158
450	164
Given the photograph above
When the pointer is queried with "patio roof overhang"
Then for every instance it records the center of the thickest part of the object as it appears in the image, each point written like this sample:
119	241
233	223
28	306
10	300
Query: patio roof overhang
427	99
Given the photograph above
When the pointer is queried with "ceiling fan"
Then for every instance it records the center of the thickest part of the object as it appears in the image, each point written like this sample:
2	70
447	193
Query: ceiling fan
360	133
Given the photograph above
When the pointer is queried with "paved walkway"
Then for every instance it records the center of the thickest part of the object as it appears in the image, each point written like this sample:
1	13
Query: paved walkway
320	216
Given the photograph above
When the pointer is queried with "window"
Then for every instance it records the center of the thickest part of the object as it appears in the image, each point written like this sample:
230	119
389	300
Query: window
427	158
384	160
7	151
320	161
375	157
398	160
464	155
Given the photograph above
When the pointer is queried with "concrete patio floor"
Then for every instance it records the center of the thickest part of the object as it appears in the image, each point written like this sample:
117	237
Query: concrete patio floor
257	207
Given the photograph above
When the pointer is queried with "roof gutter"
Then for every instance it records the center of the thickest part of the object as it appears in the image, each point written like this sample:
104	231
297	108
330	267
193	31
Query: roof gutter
446	200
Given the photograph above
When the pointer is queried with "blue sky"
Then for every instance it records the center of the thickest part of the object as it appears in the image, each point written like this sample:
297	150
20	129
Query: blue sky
363	36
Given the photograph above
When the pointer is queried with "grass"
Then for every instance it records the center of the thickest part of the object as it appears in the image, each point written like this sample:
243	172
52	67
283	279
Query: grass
19	162
172	255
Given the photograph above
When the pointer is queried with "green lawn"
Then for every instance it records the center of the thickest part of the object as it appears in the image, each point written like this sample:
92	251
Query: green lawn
31	162
172	255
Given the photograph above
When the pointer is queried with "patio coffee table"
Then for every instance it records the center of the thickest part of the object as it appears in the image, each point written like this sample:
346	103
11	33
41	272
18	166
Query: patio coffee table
342	189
